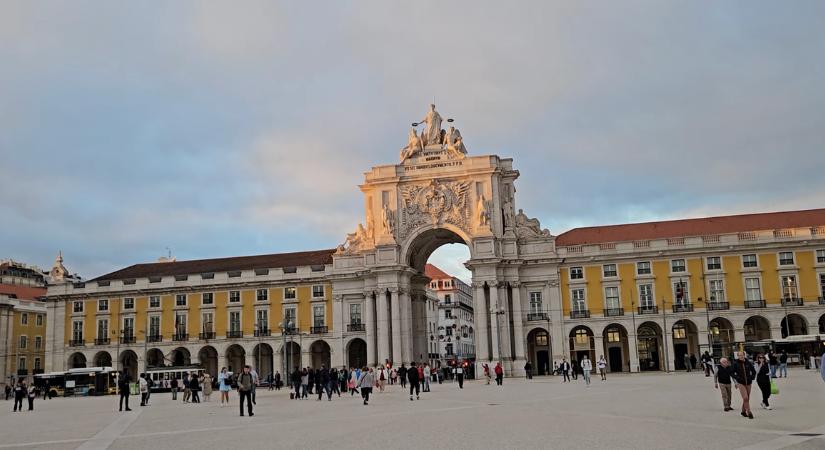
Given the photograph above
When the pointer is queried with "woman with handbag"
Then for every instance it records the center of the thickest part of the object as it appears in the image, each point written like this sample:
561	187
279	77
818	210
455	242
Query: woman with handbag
225	383
763	379
366	382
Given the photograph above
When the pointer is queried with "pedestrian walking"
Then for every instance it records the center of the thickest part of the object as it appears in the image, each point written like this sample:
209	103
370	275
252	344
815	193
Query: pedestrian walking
321	381
46	390
574	367
565	367
306	381
486	370
206	383
123	387
353	381
427	375
763	379
412	377
224	385
773	363
194	386
173	387
459	375
744	374
692	361
149	385
245	383
32	394
393	377
499	374
722	381
402	375
8	391
278	381
335	379
601	364
707	363
144	389
382	379
686	361
365	382
783	364
255	381
587	366
297	375
19	395
528	370
310	380
187	391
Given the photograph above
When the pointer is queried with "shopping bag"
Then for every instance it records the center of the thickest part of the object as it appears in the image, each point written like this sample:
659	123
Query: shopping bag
774	388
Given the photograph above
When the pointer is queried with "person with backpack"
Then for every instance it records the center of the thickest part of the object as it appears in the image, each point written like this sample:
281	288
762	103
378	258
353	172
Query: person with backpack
187	392
402	375
194	386
19	395
245	381
499	374
365	383
144	389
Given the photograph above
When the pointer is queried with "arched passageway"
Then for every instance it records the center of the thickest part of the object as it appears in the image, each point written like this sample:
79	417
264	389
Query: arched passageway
685	344
538	351
180	357
581	344
650	347
794	325
357	353
102	359
262	353
208	358
757	328
155	358
129	363
77	361
235	358
616	348
319	354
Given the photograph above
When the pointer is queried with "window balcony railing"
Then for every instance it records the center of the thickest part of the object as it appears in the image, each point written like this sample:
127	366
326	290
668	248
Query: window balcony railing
154	338
718	306
754	304
356	327
77	343
792	301
613	312
180	337
537	316
289	331
22	372
684	307
102	341
653	309
262	332
581	314
319	330
127	340
234	334
37	371
207	335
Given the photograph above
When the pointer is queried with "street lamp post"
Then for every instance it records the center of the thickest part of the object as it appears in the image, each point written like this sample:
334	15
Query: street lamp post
635	335
498	312
664	335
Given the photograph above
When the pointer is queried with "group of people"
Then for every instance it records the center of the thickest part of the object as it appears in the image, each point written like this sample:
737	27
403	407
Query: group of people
742	373
22	390
584	367
498	370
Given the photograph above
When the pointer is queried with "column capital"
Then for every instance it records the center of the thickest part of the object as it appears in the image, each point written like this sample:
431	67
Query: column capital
394	289
337	297
515	284
369	294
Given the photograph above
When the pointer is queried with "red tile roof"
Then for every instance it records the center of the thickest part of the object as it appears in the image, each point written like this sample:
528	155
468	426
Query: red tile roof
198	266
22	292
692	227
435	273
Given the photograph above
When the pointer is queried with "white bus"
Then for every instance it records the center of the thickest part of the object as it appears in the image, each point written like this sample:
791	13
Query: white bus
162	376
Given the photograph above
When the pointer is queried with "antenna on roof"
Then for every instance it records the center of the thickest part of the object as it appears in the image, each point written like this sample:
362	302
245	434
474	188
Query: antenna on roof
168	257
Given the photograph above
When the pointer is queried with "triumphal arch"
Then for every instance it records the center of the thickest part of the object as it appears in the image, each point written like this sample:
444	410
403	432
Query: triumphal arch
439	193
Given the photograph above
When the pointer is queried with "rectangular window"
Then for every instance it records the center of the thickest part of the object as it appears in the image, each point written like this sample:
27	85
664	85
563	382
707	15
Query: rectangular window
789	288
207	322
785	258
448	313
262	319
24	319
23	342
36	363
535	302
128	327
154	301
680	293
318	291
318	316
77	307
77	330
180	323
290	317
611	298
609	270
21	363
677	265
822	284
714	263
576	273
38	342
207	298
103	329
646	296
613	335
643	268
262	295
235	322
128	303
717	291
577	300
234	296
448	299
820	256
449	331
154	325
749	261
103	305
753	289
355	313
39	320
180	300
290	293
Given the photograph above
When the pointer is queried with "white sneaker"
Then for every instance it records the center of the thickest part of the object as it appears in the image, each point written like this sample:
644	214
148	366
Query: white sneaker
769	407
762	404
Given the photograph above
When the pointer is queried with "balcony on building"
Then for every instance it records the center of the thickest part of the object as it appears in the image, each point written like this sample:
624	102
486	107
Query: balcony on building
154	338
22	372
580	314
319	330
180	337
234	334
77	343
355	327
261	332
613	312
683	307
792	301
37	371
289	331
102	341
648	310
127	340
537	316
749	304
207	335
718	306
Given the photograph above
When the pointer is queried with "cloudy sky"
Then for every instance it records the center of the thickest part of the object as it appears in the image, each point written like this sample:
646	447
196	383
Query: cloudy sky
235	128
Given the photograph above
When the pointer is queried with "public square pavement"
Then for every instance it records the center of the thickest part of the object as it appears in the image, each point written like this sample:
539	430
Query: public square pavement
636	411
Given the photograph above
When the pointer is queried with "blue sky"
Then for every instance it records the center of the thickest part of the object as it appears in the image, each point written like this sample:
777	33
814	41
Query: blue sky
234	128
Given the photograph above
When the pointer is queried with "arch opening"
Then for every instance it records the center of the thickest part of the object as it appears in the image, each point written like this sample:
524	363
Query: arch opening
616	348
650	349
208	358
357	353
538	350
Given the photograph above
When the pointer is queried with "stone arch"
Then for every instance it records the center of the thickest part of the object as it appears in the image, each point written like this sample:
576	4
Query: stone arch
291	355
650	346
357	353
102	359
616	348
263	356
757	328
723	335
793	325
129	362
208	358
180	357
155	358
685	337
418	247
77	360
538	350
320	354
822	324
235	358
581	343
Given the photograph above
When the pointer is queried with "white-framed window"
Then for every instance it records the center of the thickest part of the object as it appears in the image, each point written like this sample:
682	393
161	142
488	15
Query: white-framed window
103	329
646	296
448	313
753	289
611	298
103	304
180	300
21	363
789	287
822	284
234	296
180	323
577	300
207	322
714	263
448	298
39	320
614	335
749	261
262	319
677	265
786	258
643	268
23	342
154	301
576	273
154	325
37	364
38	342
717	291
318	315
679	331
77	306
128	303
609	270
318	291
355	313
262	295
290	293
291	315
77	330
680	293
535	302
820	256
234	321
582	337
24	318
207	298
128	327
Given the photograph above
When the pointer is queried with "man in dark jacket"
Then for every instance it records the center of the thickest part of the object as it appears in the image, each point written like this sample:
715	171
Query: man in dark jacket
123	386
245	389
296	383
322	382
402	375
743	374
412	376
564	368
722	381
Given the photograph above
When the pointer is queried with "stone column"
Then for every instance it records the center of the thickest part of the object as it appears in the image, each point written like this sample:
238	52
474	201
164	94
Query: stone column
405	314
395	313
383	327
598	349
633	349
369	325
5	341
495	331
551	292
518	323
481	322
506	329
739	334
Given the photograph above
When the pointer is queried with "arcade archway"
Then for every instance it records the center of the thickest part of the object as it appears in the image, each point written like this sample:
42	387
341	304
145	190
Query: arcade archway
650	347
757	328
77	361
616	348
208	358
357	353
685	344
263	355
129	363
102	359
155	358
320	354
538	350
235	358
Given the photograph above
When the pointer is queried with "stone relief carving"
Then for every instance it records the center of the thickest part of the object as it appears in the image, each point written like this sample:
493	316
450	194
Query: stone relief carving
436	202
527	227
355	242
483	212
433	139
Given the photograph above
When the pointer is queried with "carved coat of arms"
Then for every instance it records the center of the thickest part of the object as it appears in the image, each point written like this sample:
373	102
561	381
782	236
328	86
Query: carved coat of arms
436	202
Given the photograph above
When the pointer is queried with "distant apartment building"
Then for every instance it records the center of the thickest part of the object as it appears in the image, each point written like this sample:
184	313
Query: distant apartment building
455	316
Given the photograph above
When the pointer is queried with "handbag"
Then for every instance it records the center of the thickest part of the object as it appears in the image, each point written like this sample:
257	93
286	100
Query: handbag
774	388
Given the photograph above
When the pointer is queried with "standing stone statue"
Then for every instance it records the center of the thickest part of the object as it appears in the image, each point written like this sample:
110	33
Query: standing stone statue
483	213
432	131
414	145
388	220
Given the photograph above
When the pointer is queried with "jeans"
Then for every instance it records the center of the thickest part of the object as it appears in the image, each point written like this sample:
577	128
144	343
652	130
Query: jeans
773	370
586	374
304	392
143	397
783	370
248	396
124	394
415	386
174	393
726	394
31	401
195	398
427	384
297	391
365	394
566	374
499	379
